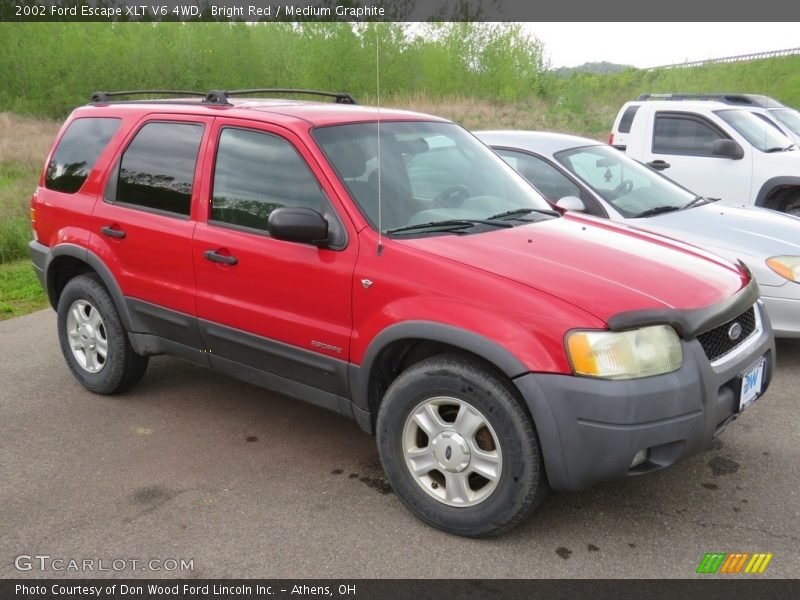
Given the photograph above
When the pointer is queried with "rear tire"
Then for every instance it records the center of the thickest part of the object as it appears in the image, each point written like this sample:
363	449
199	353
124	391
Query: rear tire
458	447
93	339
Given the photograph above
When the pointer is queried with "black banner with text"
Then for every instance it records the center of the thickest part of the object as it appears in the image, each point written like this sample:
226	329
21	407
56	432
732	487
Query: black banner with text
394	10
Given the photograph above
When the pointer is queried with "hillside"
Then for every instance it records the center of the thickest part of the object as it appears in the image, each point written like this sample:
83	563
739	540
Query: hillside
602	67
48	68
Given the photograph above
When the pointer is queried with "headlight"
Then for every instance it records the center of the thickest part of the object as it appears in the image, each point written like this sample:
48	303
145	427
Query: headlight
787	267
625	355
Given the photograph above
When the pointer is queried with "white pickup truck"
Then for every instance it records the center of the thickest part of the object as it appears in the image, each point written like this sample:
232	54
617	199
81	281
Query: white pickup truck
719	148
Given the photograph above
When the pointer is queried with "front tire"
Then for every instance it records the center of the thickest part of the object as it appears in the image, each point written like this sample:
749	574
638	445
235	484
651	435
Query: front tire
459	449
93	339
791	203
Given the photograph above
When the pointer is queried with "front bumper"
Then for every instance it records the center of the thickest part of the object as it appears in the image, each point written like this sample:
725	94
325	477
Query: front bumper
591	429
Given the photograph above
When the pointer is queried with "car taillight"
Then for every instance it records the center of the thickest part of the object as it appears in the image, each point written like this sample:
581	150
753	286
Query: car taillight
611	139
33	218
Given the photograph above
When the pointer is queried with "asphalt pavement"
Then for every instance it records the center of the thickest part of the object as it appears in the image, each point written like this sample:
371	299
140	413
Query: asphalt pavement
236	481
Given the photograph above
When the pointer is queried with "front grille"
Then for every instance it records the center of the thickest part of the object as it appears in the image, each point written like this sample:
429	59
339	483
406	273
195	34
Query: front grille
716	342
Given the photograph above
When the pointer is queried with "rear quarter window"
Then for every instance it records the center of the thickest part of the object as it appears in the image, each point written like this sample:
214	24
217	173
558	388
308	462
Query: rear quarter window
627	118
77	152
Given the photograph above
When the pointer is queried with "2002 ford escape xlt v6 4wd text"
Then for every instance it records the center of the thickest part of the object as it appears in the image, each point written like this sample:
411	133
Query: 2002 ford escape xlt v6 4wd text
390	267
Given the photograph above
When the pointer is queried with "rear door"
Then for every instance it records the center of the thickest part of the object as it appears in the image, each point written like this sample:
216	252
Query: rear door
683	141
142	228
277	306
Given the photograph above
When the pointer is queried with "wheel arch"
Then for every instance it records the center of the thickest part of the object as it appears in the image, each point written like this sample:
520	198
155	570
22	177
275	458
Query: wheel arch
66	261
404	344
773	194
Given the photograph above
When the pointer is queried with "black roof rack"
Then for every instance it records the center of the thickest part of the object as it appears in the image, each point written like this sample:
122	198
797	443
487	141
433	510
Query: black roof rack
102	97
221	96
756	100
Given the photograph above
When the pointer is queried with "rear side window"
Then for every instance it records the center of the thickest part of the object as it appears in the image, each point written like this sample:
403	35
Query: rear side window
77	152
684	134
627	118
157	169
255	173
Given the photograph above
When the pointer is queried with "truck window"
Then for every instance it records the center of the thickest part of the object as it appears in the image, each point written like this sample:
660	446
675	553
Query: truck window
676	133
627	118
765	137
789	117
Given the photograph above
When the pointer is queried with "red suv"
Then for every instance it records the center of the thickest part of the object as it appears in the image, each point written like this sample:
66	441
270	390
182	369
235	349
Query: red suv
388	266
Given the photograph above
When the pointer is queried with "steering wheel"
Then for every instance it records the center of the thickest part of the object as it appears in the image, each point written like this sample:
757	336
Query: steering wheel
451	197
625	187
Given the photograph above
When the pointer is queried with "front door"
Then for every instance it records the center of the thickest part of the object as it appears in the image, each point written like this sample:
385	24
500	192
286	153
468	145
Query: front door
278	306
684	141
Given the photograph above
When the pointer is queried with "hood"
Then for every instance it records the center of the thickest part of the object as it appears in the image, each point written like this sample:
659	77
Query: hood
777	163
598	266
751	235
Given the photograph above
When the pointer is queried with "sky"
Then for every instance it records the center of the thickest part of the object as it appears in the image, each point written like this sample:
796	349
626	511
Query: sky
655	44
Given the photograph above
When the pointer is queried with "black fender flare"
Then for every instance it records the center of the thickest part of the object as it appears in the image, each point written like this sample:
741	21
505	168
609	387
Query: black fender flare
492	352
91	259
771	184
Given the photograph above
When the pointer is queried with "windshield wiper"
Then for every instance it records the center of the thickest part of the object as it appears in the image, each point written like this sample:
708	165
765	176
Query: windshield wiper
657	211
525	211
449	225
699	201
780	148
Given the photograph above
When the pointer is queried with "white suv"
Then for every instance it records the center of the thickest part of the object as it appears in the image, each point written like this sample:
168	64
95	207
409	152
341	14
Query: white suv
730	146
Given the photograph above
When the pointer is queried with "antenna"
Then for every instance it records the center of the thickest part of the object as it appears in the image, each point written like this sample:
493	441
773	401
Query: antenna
378	92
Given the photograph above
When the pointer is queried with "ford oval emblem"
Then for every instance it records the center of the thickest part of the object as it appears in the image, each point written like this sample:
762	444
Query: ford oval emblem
735	331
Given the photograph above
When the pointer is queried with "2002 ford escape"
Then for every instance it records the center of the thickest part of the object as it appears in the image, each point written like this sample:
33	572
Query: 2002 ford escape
495	346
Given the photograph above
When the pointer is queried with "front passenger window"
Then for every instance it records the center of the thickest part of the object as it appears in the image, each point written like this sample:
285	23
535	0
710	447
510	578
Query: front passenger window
255	173
544	177
684	134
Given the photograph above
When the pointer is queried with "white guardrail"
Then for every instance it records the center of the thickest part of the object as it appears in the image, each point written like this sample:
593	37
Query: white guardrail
729	59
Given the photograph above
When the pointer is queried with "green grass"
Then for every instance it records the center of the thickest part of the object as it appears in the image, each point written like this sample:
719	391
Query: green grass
17	181
20	292
15	233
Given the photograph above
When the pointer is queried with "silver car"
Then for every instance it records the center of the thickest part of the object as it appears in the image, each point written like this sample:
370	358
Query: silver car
585	175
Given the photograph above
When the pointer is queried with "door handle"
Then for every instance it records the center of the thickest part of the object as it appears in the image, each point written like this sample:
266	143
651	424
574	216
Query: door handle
213	256
658	165
111	232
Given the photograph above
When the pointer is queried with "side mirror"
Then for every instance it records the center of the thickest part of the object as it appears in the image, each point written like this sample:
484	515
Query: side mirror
301	225
571	203
728	149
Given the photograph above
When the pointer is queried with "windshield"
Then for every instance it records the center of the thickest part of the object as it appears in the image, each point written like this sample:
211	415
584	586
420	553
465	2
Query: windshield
627	185
756	131
789	117
430	172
